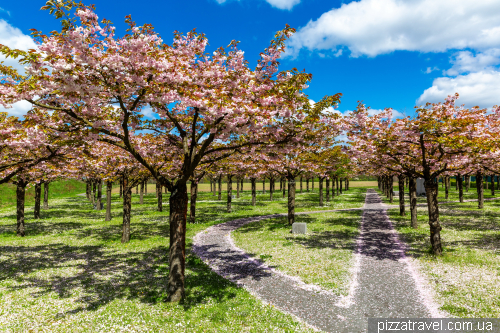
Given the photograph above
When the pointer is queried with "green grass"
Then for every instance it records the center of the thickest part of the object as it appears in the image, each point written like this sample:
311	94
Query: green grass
323	256
72	274
57	189
466	277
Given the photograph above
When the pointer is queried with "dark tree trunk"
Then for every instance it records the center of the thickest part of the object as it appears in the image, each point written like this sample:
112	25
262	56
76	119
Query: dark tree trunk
391	189
94	191
87	188
401	183
300	184
194	196
146	186
327	189
237	188
166	189
284	187
214	190
412	186
177	252
159	195
320	180
291	200
347	184
271	188
492	184
20	195
229	192
46	195
254	200
460	188
99	195
141	197
137	189
220	188
127	205
263	185
38	198
435	227
307	184
340	181
121	188
467	183
480	191
337	181
446	187
109	187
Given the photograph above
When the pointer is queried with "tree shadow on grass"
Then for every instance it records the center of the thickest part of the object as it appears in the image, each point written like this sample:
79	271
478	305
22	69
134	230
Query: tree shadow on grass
39	228
103	275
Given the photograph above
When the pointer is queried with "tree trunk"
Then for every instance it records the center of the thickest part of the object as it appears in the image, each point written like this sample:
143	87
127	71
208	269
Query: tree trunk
121	188
253	191
340	181
412	186
159	195
284	187
264	185
46	195
127	205
137	189
327	189
87	188
391	189
467	183
38	195
20	195
446	187
347	184
480	192
109	187
146	186
271	188
320	180
291	200
300	184
229	192
194	196
141	197
214	188
220	188
307	184
435	227
337	181
492	184
94	191
99	195
460	188
401	183
177	252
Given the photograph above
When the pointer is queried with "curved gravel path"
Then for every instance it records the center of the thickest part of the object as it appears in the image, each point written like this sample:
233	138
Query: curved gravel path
385	284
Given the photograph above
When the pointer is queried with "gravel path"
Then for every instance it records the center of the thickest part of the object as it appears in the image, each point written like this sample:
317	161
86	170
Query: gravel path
385	284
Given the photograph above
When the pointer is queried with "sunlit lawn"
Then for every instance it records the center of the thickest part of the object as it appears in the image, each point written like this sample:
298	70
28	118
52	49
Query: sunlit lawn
72	274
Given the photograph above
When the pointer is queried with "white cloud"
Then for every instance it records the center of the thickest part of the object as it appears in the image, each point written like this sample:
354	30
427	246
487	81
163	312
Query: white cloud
481	89
395	113
15	39
467	62
373	27
280	4
431	69
18	109
283	4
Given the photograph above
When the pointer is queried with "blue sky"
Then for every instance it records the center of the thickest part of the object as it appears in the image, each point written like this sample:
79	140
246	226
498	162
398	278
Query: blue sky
386	53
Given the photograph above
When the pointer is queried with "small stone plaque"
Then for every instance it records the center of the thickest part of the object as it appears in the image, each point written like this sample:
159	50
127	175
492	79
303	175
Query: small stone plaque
299	228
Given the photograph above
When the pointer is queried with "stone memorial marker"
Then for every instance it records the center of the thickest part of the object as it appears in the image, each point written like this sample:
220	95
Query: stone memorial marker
299	228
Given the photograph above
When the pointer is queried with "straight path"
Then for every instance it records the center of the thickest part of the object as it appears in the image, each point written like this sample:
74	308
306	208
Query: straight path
384	283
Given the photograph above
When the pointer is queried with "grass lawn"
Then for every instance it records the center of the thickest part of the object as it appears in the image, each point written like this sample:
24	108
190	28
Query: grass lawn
467	276
72	274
